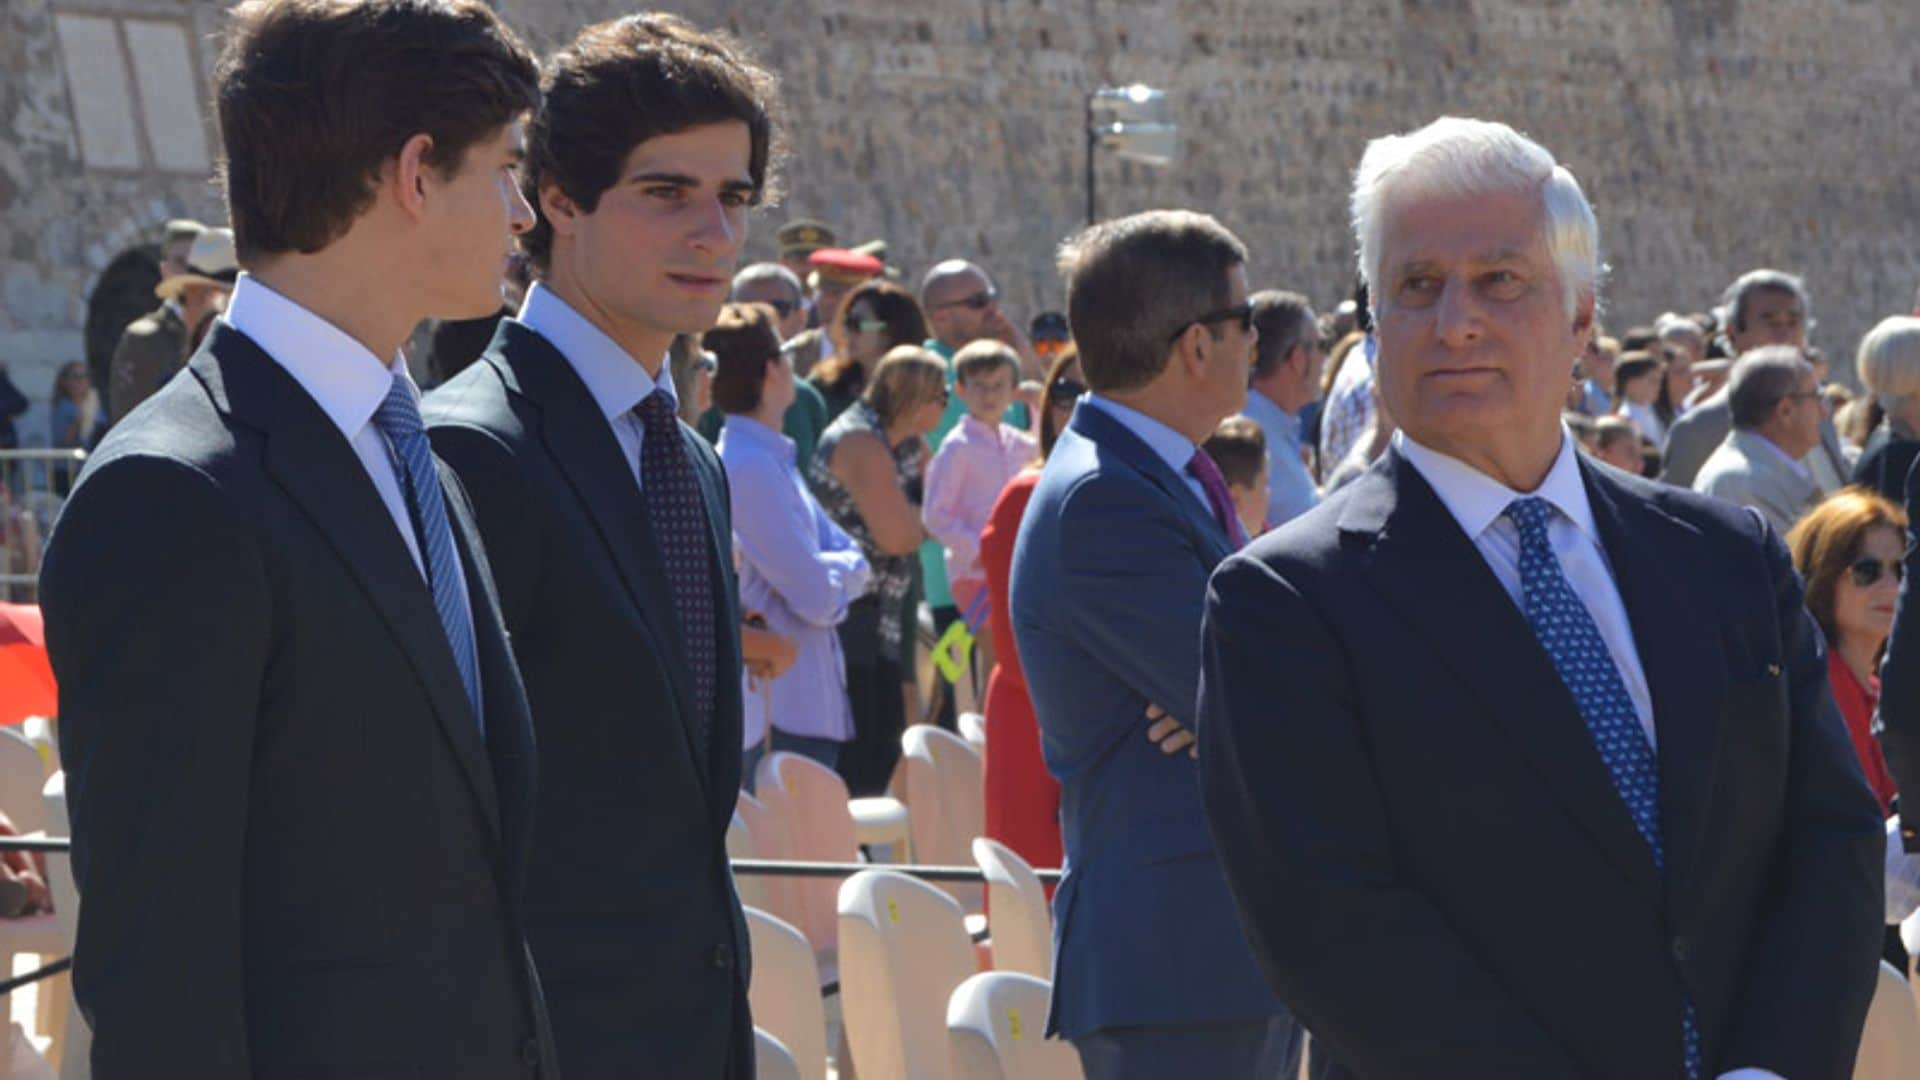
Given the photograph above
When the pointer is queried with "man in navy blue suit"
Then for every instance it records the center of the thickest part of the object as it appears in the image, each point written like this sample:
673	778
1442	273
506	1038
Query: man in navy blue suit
1520	765
1153	976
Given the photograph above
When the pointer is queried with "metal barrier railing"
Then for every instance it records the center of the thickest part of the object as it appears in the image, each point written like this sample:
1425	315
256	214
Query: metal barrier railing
33	487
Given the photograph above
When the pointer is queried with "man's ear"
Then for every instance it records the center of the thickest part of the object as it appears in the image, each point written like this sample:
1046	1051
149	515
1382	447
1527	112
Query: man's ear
407	174
561	212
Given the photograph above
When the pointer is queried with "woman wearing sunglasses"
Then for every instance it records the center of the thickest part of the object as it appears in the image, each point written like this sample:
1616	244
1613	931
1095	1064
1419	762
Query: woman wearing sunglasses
1848	549
876	317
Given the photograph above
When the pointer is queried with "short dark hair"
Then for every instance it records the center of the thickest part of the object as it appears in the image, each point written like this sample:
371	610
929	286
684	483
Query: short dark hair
1760	380
314	97
1135	282
1284	319
1631	366
1239	447
983	356
743	341
622	82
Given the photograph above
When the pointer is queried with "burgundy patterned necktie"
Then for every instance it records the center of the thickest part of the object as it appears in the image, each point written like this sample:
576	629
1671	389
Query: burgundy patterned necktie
679	516
1202	468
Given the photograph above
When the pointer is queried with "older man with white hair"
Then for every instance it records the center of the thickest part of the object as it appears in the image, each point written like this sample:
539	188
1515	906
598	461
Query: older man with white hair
1492	701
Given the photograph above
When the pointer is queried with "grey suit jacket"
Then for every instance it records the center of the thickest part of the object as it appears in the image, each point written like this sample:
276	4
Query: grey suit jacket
1695	436
1747	470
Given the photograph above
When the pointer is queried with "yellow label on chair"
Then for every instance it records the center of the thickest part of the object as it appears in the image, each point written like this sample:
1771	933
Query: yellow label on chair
953	652
893	910
1013	1023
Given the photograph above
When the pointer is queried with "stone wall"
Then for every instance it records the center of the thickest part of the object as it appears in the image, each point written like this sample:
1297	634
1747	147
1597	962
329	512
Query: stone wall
1712	135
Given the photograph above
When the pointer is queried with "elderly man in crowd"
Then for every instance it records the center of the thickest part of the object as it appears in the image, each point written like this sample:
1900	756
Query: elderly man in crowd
1491	691
1775	407
1109	572
1286	376
1761	307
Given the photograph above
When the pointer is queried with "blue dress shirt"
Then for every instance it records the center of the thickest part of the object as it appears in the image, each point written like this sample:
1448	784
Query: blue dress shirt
613	376
799	570
1289	485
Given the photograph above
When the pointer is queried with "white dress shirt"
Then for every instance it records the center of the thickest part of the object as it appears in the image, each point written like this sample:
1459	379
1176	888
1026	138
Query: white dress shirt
615	379
1479	502
1169	445
345	379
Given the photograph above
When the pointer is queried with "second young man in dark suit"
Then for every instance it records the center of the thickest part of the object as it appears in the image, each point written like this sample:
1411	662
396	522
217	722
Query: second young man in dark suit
609	523
299	759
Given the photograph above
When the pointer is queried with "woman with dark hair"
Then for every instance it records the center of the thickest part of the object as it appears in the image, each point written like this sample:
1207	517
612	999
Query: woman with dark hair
867	473
1022	798
876	317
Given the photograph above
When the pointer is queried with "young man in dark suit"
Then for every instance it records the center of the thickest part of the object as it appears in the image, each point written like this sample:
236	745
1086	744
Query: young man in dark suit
1520	765
299	756
609	523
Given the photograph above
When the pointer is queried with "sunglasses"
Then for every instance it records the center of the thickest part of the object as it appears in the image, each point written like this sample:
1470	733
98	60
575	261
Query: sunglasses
979	301
868	326
1066	392
1241	312
1866	572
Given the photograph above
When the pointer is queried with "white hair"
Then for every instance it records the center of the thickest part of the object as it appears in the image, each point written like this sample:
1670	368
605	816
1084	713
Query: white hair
1671	322
1455	156
1889	360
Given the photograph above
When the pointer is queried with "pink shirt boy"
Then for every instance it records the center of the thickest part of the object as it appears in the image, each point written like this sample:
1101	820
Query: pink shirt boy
974	462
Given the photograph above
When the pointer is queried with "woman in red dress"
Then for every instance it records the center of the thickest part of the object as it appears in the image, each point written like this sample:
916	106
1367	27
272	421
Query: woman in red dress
1848	549
1022	798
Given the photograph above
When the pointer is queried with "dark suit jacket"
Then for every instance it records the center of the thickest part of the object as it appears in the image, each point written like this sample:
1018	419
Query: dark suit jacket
1109	572
1431	858
298	856
631	908
1899	708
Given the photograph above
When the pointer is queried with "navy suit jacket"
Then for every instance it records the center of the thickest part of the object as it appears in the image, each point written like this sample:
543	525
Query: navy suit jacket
1109	575
1433	863
631	909
298	854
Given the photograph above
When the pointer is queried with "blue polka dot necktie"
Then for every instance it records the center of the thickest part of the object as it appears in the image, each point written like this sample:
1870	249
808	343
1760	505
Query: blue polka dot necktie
1571	638
398	418
679	516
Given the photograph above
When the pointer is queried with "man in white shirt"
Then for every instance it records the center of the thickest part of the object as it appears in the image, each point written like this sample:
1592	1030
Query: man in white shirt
1775	407
298	749
1491	691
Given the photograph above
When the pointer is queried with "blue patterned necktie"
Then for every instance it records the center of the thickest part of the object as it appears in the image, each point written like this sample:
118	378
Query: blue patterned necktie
678	512
1567	631
398	418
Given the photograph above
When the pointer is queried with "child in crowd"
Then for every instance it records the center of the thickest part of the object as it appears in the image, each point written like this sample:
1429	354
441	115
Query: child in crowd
974	462
1239	447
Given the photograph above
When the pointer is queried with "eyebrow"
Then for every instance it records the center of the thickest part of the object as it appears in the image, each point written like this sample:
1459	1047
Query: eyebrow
684	180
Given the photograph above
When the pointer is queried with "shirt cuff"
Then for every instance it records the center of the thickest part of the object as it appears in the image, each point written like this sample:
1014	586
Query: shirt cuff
1751	1074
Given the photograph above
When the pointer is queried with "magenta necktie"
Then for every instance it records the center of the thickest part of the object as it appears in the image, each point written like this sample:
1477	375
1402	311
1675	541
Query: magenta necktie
1202	468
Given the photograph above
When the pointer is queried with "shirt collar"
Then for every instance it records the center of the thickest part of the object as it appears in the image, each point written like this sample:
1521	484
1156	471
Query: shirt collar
1477	500
743	428
1172	447
614	378
1271	412
1780	455
341	375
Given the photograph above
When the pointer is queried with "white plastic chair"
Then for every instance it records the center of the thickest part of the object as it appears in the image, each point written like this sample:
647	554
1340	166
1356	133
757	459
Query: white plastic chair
771	1060
996	1026
751	888
973	728
72	1039
771	838
812	801
947	802
785	992
1890	1046
1017	913
903	950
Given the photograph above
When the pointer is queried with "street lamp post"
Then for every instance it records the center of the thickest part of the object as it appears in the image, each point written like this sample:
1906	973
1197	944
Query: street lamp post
1135	122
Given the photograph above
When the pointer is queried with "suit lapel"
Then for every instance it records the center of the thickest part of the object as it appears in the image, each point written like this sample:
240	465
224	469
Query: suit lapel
1652	556
1434	576
308	457
726	696
578	437
1113	438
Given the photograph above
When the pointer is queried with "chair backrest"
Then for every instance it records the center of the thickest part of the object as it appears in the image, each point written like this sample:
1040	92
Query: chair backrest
946	802
973	728
996	1027
785	992
771	1059
23	773
812	800
751	888
903	949
77	1050
1017	914
767	831
1890	1046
